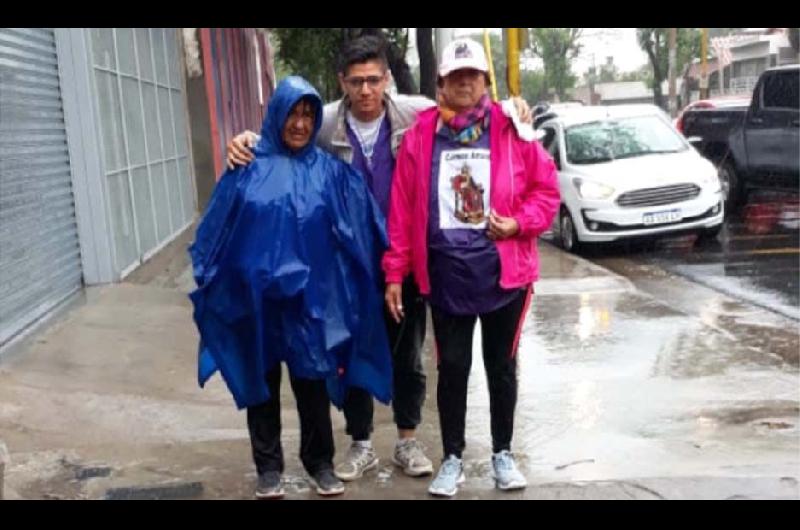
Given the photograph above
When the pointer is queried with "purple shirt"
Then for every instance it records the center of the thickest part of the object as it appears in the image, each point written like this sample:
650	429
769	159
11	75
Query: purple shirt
463	263
379	175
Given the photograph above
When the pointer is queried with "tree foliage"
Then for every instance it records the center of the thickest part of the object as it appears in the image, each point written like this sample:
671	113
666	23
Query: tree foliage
557	47
311	53
654	42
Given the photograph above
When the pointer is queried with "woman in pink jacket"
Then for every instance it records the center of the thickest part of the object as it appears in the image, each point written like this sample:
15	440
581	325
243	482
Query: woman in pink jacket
468	200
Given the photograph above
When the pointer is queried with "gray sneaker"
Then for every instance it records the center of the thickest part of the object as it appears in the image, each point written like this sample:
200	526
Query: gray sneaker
269	486
409	457
506	474
357	460
327	484
450	475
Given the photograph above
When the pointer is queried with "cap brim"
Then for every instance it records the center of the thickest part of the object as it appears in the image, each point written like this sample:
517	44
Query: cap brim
462	66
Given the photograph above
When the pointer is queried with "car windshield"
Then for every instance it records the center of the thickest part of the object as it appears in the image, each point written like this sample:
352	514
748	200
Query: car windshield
603	141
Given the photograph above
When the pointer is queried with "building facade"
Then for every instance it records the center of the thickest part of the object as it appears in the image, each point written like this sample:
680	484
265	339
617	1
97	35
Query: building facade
97	172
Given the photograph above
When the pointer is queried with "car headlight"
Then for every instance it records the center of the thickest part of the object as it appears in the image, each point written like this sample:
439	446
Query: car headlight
712	181
592	190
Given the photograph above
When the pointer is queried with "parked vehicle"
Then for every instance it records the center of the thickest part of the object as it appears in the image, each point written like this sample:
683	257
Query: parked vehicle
727	102
543	111
757	146
625	172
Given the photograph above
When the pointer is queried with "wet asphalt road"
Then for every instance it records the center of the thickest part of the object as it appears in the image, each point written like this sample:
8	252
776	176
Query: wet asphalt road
755	258
643	382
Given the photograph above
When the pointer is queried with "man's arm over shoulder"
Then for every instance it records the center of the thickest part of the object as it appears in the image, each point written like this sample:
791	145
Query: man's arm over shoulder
330	113
415	102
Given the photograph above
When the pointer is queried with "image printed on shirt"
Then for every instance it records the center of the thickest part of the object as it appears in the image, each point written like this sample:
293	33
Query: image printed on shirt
464	188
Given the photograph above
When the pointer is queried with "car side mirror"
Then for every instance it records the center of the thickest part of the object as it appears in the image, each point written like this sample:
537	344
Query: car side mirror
557	159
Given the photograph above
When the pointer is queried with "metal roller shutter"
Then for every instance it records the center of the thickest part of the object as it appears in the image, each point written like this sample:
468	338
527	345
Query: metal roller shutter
40	261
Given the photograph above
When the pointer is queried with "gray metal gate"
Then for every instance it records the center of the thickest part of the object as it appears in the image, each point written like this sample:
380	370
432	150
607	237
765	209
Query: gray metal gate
40	262
142	130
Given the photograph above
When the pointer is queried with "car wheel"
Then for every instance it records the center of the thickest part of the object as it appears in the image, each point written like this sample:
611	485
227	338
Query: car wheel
729	180
567	234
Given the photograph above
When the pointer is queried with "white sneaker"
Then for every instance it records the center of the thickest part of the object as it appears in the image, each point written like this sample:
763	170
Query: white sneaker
506	475
409	457
450	475
358	460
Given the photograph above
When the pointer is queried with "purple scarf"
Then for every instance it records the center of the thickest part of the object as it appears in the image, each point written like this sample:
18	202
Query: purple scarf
466	127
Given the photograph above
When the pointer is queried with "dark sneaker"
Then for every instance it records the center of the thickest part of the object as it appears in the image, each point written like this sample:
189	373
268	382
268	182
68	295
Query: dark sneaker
327	484
269	486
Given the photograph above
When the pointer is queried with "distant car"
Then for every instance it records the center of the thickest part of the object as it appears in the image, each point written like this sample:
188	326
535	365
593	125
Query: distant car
715	103
624	172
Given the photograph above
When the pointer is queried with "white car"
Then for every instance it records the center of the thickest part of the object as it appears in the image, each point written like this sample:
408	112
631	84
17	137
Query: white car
625	171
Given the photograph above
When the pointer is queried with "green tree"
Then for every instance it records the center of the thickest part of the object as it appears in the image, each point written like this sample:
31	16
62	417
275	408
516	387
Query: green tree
311	53
532	85
654	42
557	47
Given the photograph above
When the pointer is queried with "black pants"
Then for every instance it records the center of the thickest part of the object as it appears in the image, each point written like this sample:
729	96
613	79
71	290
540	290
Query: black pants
500	331
406	340
316	432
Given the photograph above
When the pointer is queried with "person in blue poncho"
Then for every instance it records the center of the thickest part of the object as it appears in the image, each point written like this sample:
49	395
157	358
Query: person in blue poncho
287	264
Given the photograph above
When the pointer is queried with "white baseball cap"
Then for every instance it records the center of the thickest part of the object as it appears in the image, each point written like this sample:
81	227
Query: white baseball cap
463	53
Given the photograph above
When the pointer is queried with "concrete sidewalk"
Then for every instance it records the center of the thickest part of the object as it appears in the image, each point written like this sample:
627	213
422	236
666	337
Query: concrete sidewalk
104	403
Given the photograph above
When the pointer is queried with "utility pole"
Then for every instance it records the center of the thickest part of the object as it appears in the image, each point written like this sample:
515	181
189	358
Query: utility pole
443	38
720	70
673	103
487	45
704	65
512	54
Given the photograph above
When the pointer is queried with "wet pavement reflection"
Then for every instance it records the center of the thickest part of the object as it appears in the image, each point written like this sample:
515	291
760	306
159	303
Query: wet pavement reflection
616	383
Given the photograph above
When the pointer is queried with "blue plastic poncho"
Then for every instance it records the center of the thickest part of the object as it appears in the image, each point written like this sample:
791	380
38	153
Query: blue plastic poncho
287	264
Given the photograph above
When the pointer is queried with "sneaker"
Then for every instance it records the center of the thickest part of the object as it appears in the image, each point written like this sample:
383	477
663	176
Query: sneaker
450	475
327	483
409	457
358	460
269	486
506	474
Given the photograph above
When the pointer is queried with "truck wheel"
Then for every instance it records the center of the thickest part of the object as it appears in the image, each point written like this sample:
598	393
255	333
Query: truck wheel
731	191
567	235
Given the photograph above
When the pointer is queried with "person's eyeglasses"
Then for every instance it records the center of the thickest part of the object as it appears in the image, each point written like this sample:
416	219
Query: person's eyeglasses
357	82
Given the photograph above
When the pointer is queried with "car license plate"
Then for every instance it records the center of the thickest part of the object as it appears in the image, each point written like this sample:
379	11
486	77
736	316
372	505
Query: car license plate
656	218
